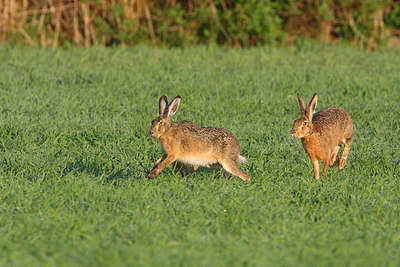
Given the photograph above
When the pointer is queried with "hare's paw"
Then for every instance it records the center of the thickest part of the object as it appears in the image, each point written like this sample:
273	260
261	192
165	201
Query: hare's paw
343	162
334	160
153	174
246	180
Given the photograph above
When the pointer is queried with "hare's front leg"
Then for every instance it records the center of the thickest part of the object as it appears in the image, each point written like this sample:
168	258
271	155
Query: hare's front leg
316	168
161	166
159	160
326	164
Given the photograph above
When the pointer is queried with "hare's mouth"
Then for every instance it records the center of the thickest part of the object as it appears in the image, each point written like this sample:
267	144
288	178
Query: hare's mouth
154	134
297	135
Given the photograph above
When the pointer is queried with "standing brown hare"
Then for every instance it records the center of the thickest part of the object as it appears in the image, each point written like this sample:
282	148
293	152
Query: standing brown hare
192	145
323	134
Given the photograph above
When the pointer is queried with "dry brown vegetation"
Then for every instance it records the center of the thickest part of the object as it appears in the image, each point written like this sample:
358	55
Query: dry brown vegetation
51	23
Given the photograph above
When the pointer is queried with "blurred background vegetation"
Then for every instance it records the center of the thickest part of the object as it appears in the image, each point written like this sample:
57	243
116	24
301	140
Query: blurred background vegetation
179	23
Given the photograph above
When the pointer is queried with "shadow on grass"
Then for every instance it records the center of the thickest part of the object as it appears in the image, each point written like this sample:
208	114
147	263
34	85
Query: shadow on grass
110	173
103	172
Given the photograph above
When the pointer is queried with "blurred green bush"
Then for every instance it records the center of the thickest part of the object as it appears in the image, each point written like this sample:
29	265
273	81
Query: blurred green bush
179	23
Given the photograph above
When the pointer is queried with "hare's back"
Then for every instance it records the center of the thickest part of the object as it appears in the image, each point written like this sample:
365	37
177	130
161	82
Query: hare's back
209	135
186	123
333	118
216	133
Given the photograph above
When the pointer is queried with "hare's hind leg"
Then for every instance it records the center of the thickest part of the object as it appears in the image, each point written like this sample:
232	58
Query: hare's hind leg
218	167
232	167
334	156
343	158
227	175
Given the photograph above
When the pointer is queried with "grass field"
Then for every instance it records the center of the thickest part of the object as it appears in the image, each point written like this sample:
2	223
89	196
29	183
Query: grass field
75	154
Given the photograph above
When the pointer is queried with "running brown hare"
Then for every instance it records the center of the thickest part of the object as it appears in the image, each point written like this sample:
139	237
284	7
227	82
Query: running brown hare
192	145
323	134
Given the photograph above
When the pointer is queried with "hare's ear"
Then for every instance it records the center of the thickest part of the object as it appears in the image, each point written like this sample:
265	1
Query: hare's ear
311	107
173	106
302	106
163	105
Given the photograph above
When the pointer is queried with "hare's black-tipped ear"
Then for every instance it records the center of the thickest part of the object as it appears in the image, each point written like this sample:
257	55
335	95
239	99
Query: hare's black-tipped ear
312	105
163	105
302	106
173	106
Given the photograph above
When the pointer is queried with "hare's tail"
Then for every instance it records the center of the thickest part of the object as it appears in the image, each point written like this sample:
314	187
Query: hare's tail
242	159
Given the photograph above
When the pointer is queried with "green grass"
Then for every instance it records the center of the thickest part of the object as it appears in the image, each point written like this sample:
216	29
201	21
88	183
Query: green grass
75	154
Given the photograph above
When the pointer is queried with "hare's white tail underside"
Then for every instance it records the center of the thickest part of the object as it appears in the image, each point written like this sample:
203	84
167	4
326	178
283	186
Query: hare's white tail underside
242	159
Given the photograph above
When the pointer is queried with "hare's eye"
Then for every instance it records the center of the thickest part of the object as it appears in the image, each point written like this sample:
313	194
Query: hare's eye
161	122
305	123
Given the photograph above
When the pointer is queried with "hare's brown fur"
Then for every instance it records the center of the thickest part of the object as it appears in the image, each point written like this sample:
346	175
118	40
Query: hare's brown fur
192	145
323	134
